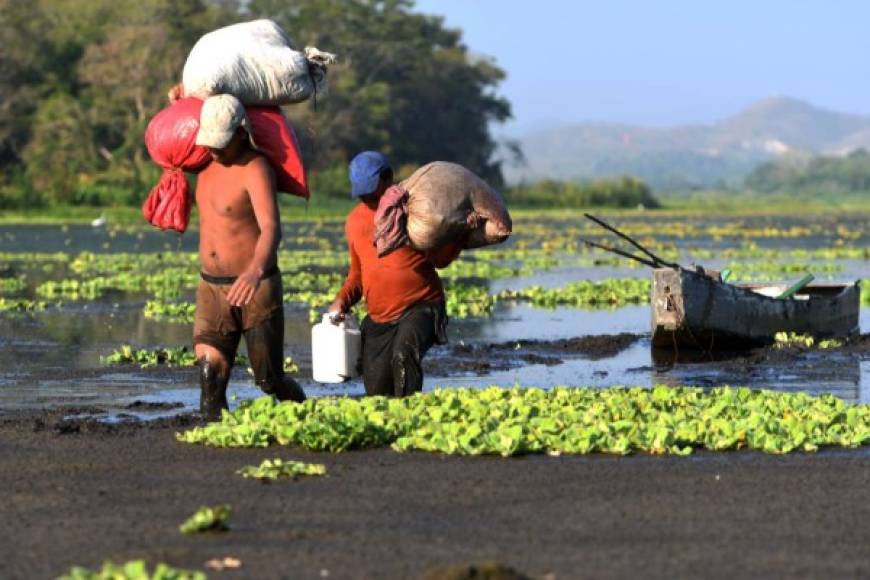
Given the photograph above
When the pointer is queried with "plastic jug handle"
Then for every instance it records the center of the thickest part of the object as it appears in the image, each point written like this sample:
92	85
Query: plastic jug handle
335	319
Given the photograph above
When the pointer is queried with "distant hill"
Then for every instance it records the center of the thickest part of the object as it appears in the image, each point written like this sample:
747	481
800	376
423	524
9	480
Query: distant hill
694	156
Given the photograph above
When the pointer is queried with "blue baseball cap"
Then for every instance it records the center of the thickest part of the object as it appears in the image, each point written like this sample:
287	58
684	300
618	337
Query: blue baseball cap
365	172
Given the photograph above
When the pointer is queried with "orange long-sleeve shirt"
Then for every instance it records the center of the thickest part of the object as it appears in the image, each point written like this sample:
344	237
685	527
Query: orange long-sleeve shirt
395	282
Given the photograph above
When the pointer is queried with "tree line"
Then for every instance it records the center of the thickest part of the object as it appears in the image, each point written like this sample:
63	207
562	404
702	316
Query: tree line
620	192
818	175
80	79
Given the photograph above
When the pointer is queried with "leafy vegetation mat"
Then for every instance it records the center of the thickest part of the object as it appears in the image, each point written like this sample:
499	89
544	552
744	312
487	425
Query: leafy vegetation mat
562	420
133	570
207	518
278	468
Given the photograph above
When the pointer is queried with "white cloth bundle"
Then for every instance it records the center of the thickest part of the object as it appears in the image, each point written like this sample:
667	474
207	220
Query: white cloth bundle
257	63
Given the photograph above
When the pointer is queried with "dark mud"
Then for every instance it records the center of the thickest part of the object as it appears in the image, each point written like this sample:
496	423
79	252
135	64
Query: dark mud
120	492
152	406
857	348
481	359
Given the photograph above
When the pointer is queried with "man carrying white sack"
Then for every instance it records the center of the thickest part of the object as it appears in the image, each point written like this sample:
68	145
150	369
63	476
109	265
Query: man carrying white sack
240	292
404	295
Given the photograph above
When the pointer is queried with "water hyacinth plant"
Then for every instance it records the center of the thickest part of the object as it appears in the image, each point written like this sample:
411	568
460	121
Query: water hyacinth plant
179	356
562	420
206	519
793	339
134	570
170	311
278	468
12	285
21	305
610	292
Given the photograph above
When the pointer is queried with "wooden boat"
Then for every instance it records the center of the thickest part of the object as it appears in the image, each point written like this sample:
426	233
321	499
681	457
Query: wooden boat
695	309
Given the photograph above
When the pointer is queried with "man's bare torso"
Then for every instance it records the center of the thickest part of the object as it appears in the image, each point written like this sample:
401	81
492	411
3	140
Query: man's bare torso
228	229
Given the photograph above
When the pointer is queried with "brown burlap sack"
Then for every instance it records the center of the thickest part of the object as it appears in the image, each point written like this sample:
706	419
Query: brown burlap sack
446	201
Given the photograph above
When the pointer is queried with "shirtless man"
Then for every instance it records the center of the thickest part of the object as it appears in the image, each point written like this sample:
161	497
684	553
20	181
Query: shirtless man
240	292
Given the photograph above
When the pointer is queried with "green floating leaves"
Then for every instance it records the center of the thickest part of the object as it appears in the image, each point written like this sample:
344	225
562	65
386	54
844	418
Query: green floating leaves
179	356
20	305
207	519
277	468
147	357
793	339
562	420
584	293
12	285
170	311
133	570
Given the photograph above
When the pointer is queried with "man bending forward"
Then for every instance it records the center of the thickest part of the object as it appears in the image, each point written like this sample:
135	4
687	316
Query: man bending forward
240	292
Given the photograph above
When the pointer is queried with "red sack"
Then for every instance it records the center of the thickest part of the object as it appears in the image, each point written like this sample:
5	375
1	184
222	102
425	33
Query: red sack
171	141
276	140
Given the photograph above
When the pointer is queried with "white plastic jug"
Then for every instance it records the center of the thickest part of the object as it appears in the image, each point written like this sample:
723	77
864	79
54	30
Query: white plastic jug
335	350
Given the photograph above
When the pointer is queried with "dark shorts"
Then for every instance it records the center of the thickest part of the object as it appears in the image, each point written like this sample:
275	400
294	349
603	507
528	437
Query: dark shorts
220	325
392	352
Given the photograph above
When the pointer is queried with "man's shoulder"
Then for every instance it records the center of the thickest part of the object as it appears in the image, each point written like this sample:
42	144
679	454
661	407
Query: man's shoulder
257	162
358	218
257	169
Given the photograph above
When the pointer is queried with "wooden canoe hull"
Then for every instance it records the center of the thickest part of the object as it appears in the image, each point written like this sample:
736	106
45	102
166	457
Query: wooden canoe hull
691	309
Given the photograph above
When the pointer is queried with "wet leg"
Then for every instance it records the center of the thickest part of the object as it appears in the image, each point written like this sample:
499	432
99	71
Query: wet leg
377	346
214	376
265	344
414	337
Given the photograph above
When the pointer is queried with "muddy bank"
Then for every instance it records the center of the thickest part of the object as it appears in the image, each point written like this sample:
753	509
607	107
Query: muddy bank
484	358
120	492
775	354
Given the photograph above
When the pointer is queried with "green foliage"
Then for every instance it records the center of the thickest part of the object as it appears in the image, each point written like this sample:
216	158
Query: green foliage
623	192
170	311
793	339
207	519
20	305
759	271
278	468
465	300
133	570
836	174
12	285
562	420
72	289
83	79
145	357
585	293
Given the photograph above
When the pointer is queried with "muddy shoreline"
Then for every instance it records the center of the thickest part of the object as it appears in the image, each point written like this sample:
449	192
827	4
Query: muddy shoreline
97	491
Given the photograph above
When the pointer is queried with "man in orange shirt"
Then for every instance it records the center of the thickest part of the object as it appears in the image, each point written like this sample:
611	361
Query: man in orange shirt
403	292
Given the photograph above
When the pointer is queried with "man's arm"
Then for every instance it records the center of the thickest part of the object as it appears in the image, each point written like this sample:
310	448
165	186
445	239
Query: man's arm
260	183
444	256
351	291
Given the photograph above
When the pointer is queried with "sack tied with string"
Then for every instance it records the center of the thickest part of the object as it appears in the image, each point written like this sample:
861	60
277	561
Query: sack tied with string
171	142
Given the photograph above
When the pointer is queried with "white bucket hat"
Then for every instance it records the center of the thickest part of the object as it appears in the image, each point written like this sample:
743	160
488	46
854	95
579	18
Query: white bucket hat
221	115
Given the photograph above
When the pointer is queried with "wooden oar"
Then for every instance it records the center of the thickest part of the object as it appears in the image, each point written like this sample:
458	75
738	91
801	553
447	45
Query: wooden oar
621	253
658	261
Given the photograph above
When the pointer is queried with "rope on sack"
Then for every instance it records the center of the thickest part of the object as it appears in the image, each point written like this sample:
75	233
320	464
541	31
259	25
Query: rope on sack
317	63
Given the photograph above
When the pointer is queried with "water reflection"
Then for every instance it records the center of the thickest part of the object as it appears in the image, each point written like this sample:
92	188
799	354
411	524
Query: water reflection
54	358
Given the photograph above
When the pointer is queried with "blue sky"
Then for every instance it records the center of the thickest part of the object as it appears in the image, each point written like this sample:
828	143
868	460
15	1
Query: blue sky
666	62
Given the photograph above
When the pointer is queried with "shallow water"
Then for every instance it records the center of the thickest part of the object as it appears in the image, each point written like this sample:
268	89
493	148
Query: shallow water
53	358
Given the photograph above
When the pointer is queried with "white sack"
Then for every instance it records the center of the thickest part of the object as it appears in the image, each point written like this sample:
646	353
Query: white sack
257	63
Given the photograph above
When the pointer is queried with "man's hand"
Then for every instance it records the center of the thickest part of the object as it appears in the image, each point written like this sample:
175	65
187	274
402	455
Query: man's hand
243	289
176	93
336	310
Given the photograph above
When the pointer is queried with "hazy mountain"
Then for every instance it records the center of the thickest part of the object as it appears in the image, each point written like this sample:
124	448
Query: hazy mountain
695	155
